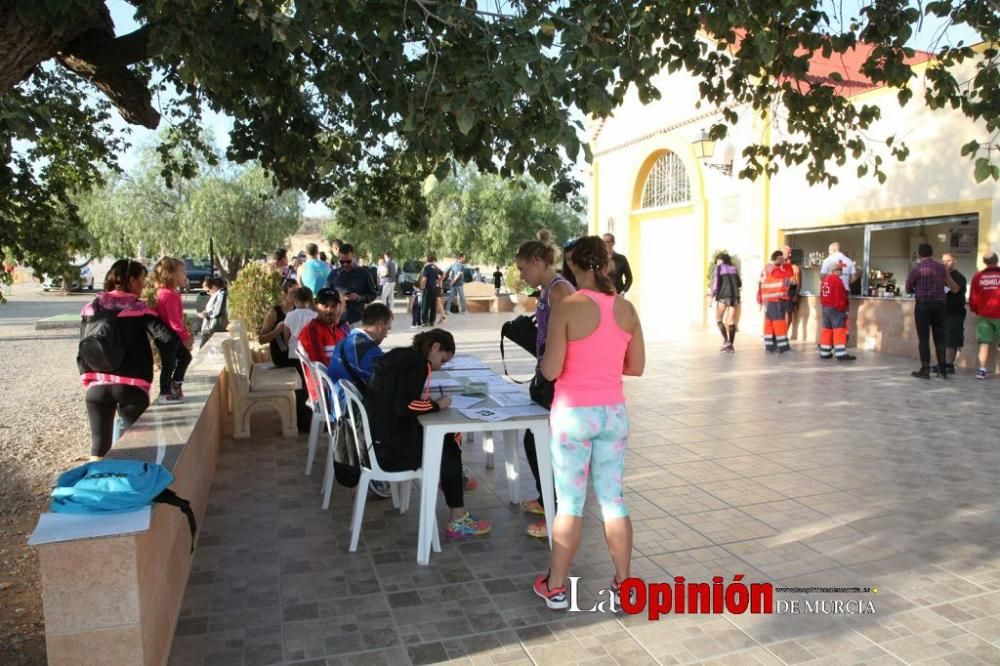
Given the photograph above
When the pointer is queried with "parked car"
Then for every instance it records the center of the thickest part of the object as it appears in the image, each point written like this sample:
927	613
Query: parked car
409	275
196	271
86	281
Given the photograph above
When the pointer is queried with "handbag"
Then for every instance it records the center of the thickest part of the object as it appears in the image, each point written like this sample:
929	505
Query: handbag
542	390
522	331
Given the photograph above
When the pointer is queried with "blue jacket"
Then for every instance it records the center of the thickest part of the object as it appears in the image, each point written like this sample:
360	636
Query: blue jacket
361	352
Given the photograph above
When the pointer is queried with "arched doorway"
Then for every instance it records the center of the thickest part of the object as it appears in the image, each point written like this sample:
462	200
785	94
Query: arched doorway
667	236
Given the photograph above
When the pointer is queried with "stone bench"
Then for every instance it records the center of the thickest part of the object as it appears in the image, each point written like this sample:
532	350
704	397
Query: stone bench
112	586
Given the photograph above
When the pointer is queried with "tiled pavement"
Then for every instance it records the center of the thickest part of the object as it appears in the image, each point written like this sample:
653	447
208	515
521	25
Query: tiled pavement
786	469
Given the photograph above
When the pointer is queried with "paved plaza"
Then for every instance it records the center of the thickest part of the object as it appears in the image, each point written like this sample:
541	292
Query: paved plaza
790	470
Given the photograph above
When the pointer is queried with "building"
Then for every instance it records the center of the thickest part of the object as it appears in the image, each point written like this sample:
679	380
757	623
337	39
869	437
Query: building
670	211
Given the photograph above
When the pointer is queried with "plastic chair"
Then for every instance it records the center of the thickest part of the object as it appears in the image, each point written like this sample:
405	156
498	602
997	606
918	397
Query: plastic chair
312	374
331	414
357	418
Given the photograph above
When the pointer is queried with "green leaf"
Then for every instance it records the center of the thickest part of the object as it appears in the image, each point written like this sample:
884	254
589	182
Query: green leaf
983	169
466	119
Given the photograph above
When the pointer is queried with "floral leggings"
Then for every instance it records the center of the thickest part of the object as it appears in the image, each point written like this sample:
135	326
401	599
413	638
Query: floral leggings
586	439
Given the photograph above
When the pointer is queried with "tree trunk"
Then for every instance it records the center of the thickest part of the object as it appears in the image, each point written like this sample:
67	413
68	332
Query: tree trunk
88	47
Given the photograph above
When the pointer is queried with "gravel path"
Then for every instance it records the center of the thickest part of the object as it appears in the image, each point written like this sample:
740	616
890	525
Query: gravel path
43	431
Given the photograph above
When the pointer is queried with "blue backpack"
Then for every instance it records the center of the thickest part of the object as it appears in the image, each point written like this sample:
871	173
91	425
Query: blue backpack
117	486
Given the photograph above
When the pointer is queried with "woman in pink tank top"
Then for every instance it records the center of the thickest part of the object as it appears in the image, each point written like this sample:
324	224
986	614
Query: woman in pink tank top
594	339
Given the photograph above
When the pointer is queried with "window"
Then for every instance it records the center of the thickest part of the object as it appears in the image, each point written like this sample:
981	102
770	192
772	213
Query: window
667	183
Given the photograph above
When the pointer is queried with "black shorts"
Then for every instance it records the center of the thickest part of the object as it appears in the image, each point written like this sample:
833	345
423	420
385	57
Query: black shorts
954	331
731	302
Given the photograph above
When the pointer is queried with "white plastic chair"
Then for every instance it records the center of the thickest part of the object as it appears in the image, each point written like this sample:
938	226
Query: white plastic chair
332	414
357	418
312	380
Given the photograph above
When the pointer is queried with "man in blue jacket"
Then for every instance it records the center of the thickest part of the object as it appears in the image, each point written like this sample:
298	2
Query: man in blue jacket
354	282
353	360
354	356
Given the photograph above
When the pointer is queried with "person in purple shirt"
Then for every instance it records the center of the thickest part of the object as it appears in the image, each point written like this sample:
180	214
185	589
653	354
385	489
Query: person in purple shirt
928	282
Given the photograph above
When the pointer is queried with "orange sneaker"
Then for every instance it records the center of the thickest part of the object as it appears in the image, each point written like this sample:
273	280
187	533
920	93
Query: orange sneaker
538	530
533	506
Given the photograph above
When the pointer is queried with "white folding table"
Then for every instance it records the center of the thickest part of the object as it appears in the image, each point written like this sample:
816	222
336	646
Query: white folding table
439	424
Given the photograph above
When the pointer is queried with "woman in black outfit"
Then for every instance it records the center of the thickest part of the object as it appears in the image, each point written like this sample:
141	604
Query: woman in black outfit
125	388
273	335
399	392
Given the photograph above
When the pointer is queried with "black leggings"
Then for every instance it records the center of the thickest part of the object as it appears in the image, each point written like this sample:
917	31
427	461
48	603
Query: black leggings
173	366
532	455
452	483
102	402
428	306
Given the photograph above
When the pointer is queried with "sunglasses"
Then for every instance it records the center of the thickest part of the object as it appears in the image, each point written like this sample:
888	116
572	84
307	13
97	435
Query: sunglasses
346	262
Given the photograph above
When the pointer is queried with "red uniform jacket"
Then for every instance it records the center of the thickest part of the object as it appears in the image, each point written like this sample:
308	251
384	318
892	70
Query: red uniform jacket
984	294
767	288
833	294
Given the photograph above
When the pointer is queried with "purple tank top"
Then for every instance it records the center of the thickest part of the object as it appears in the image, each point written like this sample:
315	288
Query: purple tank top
543	310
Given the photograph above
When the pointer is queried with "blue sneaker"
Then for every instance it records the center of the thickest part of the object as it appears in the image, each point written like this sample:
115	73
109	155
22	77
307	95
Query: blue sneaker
981	373
467	525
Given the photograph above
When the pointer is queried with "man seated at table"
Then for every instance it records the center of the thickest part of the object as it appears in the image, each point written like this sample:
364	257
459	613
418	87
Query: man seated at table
398	394
354	356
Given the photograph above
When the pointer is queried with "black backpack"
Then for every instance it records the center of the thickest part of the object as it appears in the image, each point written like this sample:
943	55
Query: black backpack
101	346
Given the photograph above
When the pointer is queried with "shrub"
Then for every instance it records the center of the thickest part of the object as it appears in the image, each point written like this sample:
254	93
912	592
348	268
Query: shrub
253	291
512	280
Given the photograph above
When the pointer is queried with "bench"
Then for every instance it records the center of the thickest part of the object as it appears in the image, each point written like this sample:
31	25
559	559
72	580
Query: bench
112	586
481	297
257	384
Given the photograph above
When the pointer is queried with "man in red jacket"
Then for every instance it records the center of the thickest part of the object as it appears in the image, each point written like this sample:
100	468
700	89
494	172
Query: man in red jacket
984	300
833	298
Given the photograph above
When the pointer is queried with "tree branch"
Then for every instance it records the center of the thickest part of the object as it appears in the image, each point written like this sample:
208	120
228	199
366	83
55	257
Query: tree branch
103	60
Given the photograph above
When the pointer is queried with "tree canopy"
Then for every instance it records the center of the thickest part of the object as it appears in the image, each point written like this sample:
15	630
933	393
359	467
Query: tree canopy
238	207
484	215
321	90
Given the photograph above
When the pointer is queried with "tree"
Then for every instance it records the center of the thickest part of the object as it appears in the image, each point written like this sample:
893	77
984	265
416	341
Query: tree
239	208
319	89
487	216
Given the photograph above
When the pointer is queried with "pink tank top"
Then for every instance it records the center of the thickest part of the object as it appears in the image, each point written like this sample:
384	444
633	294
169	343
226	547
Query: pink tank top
592	371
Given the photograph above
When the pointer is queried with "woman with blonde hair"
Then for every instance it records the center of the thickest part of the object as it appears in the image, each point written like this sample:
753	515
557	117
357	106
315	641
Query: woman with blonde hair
170	276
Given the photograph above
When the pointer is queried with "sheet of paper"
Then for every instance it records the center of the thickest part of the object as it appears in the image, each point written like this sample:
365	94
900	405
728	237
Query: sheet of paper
508	387
54	527
444	382
464	401
463	362
511	398
478	374
494	414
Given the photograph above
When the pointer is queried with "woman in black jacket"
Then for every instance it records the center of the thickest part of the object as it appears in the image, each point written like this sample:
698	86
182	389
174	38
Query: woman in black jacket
399	392
125	387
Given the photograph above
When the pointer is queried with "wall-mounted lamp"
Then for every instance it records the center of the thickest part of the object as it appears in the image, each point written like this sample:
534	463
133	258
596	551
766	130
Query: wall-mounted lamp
704	148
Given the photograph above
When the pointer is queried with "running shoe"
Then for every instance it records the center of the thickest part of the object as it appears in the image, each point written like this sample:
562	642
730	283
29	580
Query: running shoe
467	525
538	530
177	389
616	590
555	599
533	506
981	373
730	349
381	489
169	399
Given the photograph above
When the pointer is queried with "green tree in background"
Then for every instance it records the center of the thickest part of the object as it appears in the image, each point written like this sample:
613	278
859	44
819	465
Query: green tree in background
238	207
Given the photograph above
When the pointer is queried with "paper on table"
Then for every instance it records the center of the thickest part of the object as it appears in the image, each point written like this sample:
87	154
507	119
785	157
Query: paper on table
477	373
494	414
463	362
464	401
444	383
511	398
54	527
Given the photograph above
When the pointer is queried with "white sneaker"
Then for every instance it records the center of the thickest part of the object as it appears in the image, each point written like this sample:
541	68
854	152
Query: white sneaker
169	399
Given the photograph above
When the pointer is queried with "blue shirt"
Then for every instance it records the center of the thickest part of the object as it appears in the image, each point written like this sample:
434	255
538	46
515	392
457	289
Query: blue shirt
313	274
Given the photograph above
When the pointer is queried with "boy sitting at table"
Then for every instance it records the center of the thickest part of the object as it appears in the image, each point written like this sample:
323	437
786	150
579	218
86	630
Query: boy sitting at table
399	392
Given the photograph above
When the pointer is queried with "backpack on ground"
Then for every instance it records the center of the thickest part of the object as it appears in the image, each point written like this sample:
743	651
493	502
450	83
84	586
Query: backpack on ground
101	346
117	486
